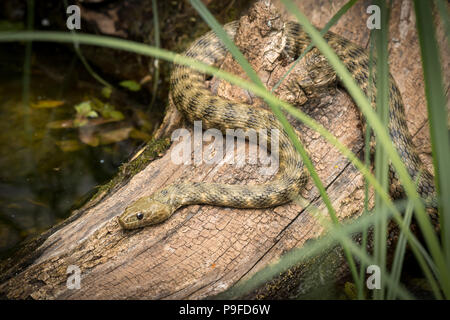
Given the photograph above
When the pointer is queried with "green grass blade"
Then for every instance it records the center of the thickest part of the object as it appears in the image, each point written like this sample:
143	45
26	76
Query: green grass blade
400	253
325	29
139	48
335	233
26	78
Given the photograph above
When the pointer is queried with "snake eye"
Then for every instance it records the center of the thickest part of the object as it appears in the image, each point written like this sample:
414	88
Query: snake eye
139	215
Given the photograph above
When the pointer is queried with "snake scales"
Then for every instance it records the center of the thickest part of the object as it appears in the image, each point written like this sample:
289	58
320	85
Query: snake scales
196	102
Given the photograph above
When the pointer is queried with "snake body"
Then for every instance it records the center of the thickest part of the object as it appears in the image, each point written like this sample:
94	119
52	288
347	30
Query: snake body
191	96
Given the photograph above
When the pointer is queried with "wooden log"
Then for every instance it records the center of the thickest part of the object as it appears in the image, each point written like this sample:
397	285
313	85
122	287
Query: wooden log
203	250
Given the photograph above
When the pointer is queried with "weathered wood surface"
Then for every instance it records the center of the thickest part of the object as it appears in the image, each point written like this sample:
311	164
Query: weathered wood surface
203	250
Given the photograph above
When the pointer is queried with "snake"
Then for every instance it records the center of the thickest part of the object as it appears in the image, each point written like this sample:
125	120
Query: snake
196	102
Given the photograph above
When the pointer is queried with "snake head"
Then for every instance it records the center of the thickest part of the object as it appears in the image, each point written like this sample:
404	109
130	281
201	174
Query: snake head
143	212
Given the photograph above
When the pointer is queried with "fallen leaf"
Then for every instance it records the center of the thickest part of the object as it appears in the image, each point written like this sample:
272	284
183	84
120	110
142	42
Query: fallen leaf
115	135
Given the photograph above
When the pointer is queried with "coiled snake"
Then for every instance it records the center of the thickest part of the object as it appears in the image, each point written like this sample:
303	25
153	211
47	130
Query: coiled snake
196	102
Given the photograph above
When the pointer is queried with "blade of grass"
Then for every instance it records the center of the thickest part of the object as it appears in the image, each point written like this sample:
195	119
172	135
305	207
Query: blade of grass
383	138
437	111
325	29
140	48
367	138
400	252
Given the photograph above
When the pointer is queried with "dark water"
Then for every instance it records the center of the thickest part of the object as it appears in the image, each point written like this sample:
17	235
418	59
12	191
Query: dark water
47	170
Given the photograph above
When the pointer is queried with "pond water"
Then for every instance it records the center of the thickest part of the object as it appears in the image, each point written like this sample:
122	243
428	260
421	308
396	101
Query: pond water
59	139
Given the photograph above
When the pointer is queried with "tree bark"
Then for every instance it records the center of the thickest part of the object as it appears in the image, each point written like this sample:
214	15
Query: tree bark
201	251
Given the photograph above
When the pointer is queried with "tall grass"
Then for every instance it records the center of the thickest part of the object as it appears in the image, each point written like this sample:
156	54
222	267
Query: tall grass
76	47
208	17
435	265
367	149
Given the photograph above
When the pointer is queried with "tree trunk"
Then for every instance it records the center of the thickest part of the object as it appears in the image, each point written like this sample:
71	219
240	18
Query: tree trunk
201	251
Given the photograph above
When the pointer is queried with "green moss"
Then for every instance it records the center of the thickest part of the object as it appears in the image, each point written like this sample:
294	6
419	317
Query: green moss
153	150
